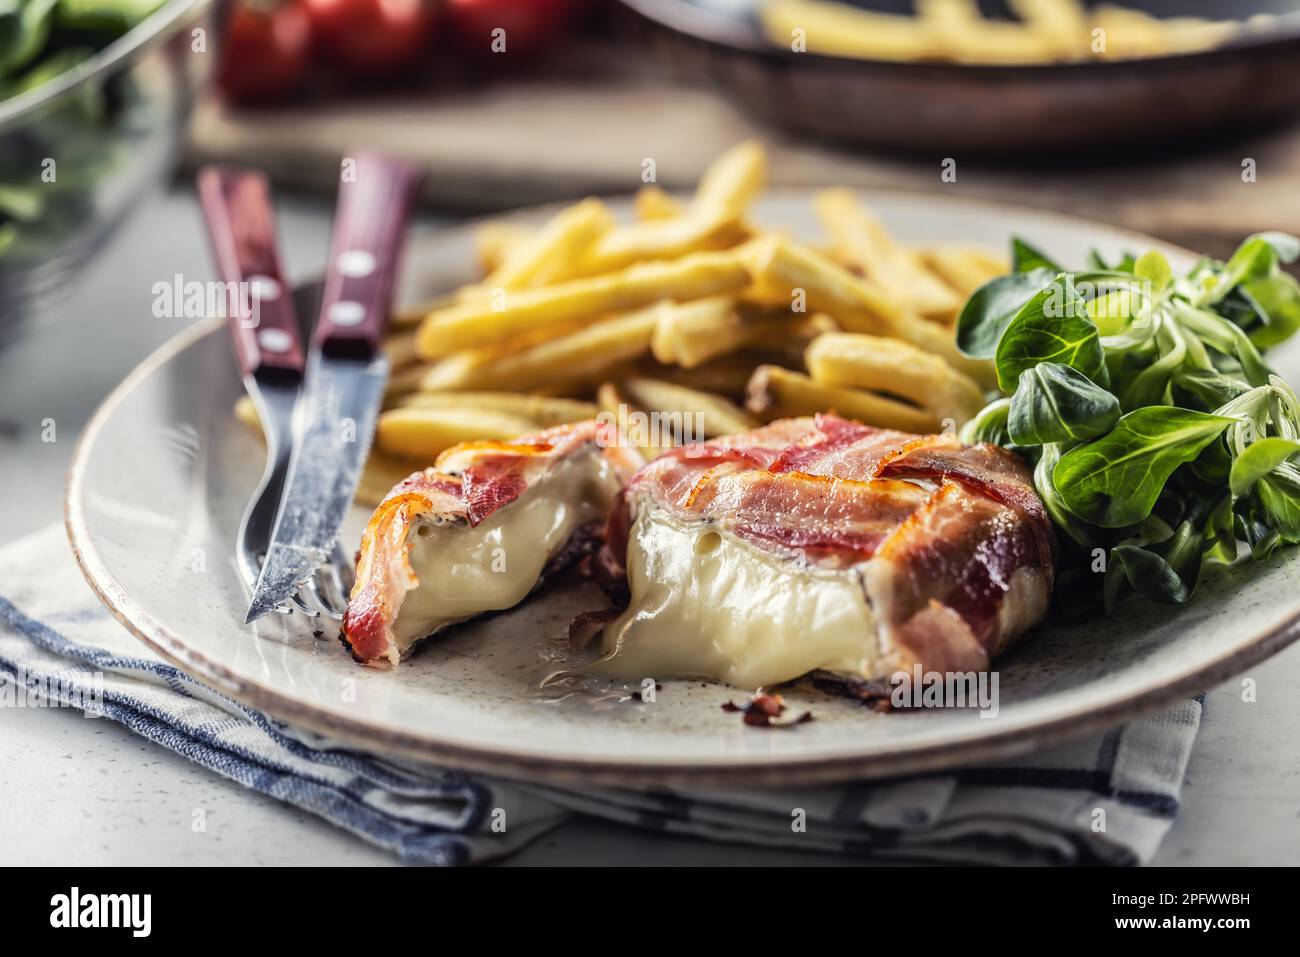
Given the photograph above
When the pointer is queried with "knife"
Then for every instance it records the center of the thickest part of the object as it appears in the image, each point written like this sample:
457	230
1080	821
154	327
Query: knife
263	325
345	377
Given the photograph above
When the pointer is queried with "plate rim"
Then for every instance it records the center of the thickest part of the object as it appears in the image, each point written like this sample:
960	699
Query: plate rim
517	762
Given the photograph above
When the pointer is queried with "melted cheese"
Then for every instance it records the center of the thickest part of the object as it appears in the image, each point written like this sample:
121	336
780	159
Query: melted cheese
466	571
706	604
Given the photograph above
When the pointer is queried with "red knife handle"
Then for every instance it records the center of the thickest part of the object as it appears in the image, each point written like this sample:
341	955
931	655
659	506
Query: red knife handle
259	303
375	197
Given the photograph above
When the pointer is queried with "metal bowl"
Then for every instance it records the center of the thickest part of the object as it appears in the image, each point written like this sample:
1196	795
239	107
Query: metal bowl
1055	110
88	144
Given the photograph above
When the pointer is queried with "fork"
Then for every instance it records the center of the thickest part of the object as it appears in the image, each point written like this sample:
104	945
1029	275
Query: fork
268	346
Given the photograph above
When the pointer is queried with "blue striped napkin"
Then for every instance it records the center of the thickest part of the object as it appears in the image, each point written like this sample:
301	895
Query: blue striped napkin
59	644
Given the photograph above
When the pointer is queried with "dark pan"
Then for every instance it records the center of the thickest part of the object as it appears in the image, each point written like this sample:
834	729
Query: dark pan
1110	106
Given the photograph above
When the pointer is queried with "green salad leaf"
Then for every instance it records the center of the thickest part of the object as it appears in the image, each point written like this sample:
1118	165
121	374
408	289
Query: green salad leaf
1025	258
1114	480
1165	571
1275	301
990	425
989	311
1056	403
1258	459
1279	501
1053	326
1159	436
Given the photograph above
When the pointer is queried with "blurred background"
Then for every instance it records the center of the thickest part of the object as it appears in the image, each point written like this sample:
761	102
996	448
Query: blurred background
1172	117
1151	114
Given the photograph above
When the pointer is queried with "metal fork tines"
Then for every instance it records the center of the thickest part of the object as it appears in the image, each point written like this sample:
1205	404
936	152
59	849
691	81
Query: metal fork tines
326	593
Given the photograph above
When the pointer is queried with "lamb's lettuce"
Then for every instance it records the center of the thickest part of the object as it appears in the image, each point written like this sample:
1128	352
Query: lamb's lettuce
1160	437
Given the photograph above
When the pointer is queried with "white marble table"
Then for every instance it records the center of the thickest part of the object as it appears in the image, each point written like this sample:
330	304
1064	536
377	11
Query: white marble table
89	792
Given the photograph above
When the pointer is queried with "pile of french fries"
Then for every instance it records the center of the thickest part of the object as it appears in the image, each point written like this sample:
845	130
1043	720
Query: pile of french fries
694	309
1045	31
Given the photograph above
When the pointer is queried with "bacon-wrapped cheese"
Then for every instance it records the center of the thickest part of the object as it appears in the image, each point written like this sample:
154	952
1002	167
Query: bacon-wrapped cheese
824	545
477	532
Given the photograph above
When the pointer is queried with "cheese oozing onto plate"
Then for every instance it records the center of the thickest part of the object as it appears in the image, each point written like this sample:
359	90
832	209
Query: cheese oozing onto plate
707	604
466	571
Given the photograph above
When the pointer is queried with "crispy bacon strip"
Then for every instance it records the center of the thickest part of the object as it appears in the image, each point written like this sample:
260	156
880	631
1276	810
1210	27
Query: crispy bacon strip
467	484
955	547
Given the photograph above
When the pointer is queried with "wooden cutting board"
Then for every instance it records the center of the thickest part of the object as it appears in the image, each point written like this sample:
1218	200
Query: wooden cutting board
590	128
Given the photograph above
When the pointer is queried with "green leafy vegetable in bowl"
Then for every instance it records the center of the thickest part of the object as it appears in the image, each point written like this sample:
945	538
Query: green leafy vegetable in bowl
36	35
41	40
1158	434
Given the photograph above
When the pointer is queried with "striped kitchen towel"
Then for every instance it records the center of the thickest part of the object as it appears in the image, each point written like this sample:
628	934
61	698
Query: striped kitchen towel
57	642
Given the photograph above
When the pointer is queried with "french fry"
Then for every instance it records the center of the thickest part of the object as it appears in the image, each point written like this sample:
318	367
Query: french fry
1185	34
679	326
939	341
471	324
788	274
588	352
887	365
965	270
713	414
691	334
544	411
617	408
1048	31
659	239
551	253
675	311
777	393
713	220
1132	33
495	241
609	400
519	343
454	372
961	33
651	203
422	433
840	30
860	240
731	182
1062	25
785	270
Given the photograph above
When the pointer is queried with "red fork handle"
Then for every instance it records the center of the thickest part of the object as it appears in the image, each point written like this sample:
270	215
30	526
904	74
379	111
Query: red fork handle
375	198
241	224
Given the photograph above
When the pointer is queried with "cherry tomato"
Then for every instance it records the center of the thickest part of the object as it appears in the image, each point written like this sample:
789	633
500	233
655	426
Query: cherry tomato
265	52
529	25
371	37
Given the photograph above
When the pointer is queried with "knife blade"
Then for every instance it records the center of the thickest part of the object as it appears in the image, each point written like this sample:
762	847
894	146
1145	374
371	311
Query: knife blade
345	378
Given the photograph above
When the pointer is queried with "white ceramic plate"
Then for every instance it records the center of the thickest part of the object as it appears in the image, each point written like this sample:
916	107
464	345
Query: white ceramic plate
163	471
